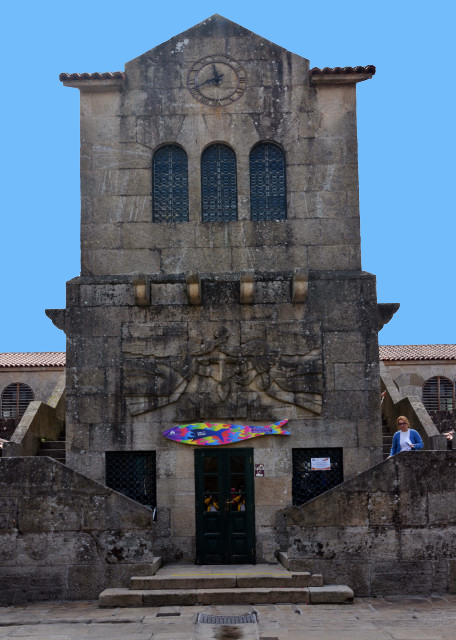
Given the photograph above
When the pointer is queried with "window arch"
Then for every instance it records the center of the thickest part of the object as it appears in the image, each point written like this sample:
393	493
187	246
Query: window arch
218	184
438	394
16	397
170	184
268	194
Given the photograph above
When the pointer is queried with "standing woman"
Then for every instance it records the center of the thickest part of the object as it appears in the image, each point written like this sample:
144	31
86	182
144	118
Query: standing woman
405	439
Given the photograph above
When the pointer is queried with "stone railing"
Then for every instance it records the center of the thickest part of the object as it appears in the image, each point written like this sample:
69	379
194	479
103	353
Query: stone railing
41	420
66	537
395	404
389	530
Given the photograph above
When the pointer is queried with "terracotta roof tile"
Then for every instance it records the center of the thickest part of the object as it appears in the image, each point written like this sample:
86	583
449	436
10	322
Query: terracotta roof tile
109	75
40	359
418	352
337	70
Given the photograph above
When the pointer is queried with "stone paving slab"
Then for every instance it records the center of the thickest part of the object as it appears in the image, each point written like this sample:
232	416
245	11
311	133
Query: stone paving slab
393	618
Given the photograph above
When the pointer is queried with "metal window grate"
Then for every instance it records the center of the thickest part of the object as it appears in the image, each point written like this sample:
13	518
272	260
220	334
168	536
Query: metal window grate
218	184
308	484
170	185
438	394
268	196
133	473
204	618
16	397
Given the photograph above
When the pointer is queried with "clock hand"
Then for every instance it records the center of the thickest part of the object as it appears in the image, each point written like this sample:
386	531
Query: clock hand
208	81
217	76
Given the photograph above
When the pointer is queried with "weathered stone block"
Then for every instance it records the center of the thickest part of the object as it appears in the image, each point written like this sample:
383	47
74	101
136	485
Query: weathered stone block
102	262
120	182
196	260
107	129
120	156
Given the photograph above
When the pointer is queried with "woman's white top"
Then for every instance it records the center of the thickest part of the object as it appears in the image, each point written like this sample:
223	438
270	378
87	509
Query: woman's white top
405	441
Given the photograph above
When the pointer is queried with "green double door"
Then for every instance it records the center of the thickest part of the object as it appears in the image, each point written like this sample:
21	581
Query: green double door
225	512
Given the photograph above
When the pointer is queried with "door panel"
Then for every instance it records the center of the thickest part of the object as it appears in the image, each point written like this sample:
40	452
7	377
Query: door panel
224	506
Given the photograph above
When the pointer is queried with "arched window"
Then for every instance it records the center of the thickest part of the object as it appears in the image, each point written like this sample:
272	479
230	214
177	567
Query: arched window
218	184
170	184
268	193
438	394
16	398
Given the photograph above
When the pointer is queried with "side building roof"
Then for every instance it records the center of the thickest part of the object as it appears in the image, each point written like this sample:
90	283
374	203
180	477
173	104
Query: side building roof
33	359
418	352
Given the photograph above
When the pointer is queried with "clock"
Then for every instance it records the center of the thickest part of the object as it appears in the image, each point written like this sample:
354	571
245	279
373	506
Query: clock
217	80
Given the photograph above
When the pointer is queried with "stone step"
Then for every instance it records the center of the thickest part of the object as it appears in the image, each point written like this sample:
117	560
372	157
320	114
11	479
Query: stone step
328	594
52	444
55	454
157	582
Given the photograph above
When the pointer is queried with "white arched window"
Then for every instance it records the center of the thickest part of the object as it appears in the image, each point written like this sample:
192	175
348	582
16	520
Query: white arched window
16	397
438	394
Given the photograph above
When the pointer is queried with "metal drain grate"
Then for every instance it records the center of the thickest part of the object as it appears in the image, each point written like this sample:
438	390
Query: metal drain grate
207	619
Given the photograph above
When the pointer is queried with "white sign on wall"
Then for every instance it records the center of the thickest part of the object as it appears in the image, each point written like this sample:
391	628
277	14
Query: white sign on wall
320	464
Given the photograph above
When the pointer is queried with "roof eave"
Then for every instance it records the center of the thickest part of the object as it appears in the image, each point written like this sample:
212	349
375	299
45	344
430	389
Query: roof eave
94	85
339	78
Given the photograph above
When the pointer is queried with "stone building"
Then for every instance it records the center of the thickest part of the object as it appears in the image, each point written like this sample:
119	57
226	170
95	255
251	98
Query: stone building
426	371
220	282
25	377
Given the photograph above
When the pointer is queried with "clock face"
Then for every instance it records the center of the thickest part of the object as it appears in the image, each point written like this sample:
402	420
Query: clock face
217	80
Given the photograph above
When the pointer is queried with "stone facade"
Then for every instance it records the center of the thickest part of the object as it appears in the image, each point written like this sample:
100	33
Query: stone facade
242	321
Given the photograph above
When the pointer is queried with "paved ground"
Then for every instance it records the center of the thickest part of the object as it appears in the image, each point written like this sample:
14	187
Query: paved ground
392	618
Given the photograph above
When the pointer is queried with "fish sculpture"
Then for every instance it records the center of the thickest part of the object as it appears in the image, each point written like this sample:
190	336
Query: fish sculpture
211	433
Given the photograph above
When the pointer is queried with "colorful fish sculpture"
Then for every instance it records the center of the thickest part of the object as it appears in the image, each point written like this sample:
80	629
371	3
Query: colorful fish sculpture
205	433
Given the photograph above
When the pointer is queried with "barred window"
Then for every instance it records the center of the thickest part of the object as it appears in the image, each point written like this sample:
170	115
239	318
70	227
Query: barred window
438	394
310	481
218	184
16	398
170	184
268	195
133	473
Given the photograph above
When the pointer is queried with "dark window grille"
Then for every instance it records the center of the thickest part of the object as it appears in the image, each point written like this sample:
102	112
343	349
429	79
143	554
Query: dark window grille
268	194
170	185
16	398
133	473
308	484
218	184
438	394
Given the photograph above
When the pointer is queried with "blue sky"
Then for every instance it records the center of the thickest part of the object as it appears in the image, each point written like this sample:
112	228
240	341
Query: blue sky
406	137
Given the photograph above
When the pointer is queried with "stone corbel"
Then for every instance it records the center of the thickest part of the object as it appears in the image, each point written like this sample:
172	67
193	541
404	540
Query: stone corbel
300	286
141	287
385	311
247	287
58	318
193	288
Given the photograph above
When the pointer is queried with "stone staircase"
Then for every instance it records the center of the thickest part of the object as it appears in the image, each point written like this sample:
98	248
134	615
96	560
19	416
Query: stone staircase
55	449
182	585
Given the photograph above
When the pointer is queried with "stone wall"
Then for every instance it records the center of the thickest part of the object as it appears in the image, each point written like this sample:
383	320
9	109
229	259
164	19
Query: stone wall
390	530
63	536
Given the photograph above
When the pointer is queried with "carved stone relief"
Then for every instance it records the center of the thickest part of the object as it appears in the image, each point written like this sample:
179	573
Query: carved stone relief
221	374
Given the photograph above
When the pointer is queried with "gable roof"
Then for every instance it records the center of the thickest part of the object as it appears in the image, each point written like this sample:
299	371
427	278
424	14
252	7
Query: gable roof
33	359
418	352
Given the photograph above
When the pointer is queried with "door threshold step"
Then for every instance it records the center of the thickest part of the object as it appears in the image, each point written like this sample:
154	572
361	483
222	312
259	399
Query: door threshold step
328	594
295	579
